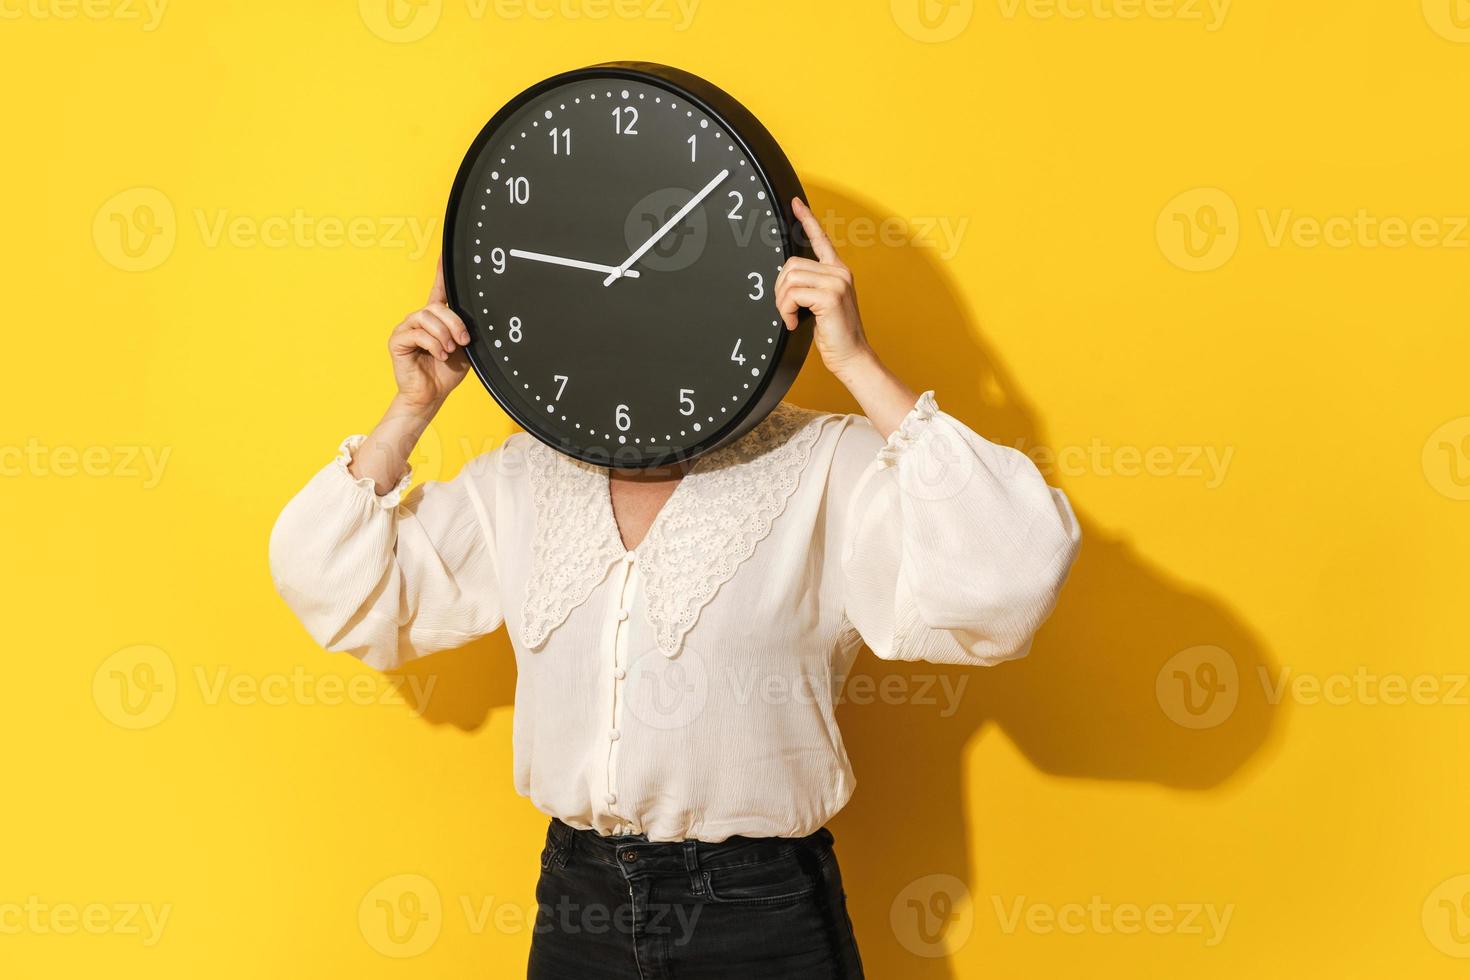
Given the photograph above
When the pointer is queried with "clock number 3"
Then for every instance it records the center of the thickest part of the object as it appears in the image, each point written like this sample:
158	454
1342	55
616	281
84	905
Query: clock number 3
630	127
758	288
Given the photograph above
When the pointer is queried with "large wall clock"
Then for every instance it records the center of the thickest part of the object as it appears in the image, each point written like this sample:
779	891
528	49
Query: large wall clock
612	242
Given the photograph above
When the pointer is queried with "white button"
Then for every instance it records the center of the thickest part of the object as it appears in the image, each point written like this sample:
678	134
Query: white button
619	673
611	798
614	735
622	615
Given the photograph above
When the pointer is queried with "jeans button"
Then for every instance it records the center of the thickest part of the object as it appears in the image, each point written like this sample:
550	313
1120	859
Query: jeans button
630	856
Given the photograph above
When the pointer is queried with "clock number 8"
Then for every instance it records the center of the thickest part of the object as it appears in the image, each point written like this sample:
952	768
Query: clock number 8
515	330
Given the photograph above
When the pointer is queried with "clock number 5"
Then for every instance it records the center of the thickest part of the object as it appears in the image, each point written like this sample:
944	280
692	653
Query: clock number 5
758	288
686	403
619	127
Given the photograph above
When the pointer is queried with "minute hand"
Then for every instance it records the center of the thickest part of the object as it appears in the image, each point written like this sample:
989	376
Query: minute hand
667	227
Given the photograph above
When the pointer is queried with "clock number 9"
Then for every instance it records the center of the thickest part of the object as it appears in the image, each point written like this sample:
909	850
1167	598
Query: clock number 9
623	419
497	260
760	285
686	404
631	128
515	330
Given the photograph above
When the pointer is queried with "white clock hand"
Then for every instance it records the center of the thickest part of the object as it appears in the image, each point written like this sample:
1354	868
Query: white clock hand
623	270
571	263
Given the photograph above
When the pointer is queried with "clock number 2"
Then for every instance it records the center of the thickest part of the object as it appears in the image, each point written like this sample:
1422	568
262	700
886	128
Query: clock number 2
630	129
735	214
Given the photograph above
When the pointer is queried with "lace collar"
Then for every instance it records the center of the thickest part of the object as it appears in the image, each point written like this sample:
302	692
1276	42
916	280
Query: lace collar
707	528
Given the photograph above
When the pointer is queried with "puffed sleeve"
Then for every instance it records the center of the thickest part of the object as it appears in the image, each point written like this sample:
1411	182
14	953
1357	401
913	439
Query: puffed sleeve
393	577
954	548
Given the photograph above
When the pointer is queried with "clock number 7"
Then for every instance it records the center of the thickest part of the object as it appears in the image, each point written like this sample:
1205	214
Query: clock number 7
563	379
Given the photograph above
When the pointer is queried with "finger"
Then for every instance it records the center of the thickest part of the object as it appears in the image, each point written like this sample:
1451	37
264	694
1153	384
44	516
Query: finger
418	338
437	292
451	319
821	244
819	278
426	320
796	262
793	299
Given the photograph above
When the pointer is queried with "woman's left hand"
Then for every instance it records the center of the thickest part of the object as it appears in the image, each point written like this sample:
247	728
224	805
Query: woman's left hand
825	287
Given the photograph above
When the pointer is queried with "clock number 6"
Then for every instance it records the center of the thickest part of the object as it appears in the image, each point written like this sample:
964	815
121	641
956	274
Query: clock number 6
623	419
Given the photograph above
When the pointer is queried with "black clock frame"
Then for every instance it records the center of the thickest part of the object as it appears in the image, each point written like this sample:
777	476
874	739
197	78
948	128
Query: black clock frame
769	162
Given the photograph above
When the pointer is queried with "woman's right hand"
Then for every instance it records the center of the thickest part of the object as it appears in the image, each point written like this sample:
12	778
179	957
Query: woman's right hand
428	363
428	352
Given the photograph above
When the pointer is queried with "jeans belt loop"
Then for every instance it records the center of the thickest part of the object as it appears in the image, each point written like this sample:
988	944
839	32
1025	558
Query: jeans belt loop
691	864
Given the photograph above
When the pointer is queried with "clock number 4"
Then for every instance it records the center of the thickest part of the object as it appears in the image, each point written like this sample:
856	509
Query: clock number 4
735	354
630	127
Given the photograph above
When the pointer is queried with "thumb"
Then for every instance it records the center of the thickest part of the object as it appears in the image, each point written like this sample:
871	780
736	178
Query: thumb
437	293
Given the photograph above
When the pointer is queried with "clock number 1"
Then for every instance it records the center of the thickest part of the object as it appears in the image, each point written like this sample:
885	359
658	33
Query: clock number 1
625	130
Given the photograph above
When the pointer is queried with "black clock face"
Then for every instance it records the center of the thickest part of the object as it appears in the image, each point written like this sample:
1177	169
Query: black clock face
613	246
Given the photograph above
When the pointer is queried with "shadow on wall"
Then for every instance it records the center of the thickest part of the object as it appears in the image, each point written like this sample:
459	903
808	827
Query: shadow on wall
1088	702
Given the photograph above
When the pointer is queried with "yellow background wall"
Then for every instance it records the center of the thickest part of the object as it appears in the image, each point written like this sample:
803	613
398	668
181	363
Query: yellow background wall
1209	263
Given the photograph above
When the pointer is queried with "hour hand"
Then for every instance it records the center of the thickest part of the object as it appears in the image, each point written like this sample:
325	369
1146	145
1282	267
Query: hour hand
569	263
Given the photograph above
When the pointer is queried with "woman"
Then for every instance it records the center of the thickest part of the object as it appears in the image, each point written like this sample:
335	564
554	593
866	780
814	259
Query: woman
681	638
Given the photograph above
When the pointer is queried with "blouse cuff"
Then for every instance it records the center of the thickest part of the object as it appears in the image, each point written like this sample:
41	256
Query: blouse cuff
914	424
387	501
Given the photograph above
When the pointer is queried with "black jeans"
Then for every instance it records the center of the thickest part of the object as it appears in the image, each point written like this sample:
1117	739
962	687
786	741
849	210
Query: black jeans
754	908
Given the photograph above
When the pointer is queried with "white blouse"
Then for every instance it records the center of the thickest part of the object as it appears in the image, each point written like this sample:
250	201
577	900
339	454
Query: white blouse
685	689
